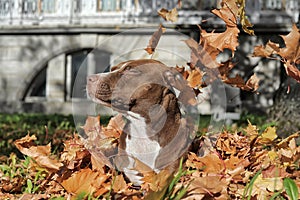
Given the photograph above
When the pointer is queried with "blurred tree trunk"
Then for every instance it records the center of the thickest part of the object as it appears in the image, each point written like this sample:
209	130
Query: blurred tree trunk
286	109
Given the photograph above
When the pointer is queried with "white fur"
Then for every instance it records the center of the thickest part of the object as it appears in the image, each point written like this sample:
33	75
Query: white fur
177	92
138	145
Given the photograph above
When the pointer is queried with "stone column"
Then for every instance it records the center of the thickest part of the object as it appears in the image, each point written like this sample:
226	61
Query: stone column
55	83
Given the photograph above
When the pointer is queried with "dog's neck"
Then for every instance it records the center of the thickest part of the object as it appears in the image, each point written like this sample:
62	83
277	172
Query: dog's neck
159	124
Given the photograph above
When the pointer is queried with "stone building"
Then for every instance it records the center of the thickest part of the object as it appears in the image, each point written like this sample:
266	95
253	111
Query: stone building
46	43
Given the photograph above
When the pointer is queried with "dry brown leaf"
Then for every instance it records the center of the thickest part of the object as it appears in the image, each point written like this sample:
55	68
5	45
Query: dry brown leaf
291	51
157	181
85	180
74	152
41	154
168	15
246	24
213	187
92	127
263	186
225	68
202	55
274	171
251	85
292	71
102	142
290	54
285	142
119	184
114	127
229	39
195	78
268	136
209	164
153	42
266	51
228	12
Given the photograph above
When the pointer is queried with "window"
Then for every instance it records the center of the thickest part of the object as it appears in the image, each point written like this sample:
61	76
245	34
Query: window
78	73
110	5
81	64
5	7
64	76
29	6
37	87
48	6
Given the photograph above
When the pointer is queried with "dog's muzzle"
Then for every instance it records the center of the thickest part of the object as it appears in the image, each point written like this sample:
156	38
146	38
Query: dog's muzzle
98	89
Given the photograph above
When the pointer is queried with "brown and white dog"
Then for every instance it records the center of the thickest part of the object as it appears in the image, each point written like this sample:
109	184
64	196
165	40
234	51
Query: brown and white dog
143	91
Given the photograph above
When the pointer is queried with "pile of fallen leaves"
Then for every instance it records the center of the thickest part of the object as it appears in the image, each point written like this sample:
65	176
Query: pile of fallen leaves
241	164
238	165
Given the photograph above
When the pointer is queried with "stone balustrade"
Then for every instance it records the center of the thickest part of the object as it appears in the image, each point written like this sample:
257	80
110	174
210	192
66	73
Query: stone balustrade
70	12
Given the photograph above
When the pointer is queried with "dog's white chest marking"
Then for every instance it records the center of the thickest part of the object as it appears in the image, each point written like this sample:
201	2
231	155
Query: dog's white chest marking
138	145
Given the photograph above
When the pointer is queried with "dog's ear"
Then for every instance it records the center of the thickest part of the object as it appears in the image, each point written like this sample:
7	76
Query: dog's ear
180	86
119	66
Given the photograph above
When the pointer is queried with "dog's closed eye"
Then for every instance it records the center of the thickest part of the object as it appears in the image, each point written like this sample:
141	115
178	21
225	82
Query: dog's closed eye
132	72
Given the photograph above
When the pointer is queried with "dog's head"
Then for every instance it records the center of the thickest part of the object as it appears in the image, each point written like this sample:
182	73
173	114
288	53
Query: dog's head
136	86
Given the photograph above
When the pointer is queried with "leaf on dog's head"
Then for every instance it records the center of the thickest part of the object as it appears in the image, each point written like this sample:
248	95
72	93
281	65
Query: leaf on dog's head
153	42
168	15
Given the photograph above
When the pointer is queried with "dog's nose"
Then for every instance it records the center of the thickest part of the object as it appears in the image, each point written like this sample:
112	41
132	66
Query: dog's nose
104	87
92	78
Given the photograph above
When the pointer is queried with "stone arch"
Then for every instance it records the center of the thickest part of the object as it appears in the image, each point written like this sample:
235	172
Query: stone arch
42	64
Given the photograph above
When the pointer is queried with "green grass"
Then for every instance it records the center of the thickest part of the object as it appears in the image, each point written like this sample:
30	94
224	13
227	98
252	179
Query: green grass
57	128
47	128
